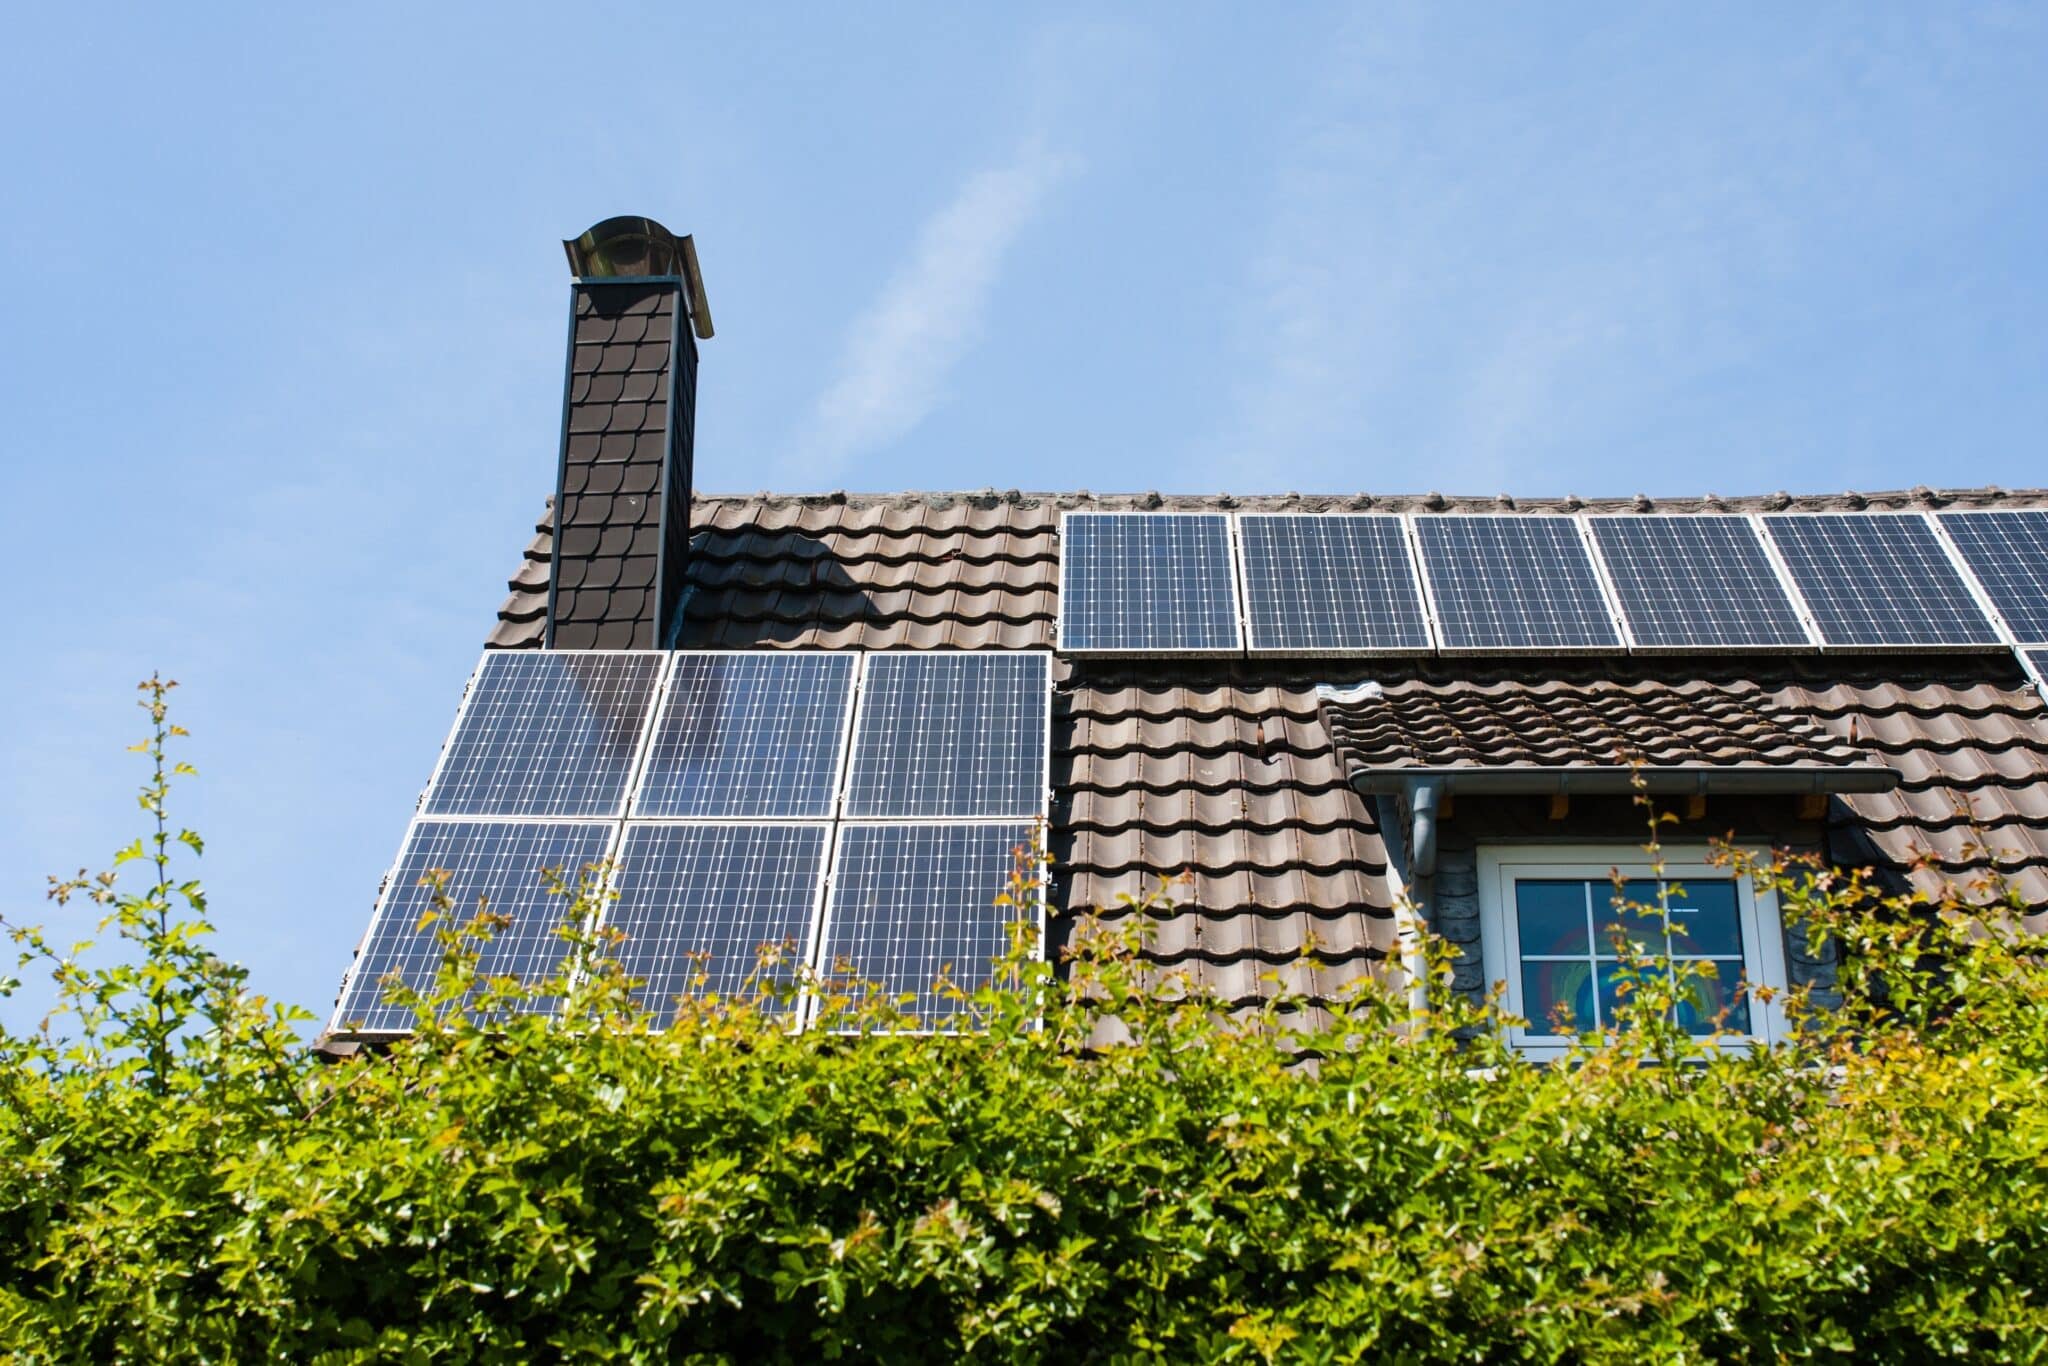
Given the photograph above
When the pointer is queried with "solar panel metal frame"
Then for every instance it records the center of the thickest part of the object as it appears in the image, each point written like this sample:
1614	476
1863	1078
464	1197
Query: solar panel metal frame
1767	520
1604	588
1035	823
1035	829
1430	643
656	699
853	740
1119	652
840	772
1772	562
388	887
813	938
2035	661
1971	578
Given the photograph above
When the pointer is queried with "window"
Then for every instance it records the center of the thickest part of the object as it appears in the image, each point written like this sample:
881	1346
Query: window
1548	915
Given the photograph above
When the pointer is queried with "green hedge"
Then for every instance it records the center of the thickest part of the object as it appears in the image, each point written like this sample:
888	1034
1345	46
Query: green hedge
180	1179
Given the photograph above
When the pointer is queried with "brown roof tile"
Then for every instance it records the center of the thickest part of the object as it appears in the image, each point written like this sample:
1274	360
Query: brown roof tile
1585	720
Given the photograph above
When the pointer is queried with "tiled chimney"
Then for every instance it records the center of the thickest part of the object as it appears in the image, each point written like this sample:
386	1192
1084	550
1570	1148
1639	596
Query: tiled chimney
622	497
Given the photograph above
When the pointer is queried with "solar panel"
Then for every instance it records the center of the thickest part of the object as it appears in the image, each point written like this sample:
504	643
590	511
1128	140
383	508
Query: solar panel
1513	583
1146	582
498	860
1695	582
2008	552
911	901
748	735
1337	582
547	733
2037	660
944	733
1878	578
702	899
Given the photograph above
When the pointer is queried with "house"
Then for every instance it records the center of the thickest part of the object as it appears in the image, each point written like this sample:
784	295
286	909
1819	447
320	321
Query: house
1306	798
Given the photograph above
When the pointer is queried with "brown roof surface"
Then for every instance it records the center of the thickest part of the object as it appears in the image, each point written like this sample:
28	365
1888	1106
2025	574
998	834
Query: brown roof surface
1227	769
1595	719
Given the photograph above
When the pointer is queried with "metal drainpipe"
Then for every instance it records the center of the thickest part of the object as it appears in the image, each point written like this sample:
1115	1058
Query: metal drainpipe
1408	925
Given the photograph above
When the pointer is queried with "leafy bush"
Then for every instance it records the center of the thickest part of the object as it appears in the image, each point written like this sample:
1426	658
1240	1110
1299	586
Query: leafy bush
1107	1167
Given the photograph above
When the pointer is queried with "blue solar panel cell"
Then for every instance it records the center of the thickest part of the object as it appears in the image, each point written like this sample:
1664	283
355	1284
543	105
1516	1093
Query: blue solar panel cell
910	902
1147	582
1878	579
1696	583
2008	552
956	734
697	903
756	735
1513	583
547	733
1333	583
501	862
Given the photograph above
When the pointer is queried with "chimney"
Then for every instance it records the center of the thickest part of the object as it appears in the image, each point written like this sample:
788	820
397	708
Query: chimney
622	491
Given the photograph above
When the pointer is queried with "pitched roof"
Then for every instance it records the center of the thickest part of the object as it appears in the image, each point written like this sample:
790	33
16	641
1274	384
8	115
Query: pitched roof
1234	772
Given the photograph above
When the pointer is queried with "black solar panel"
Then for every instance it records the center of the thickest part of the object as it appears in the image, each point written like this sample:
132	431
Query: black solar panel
703	899
547	733
498	860
1147	581
1878	579
2008	552
950	734
1513	583
907	901
1696	582
1330	583
748	735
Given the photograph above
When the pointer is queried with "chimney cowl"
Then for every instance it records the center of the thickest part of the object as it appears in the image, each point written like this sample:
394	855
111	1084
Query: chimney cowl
632	246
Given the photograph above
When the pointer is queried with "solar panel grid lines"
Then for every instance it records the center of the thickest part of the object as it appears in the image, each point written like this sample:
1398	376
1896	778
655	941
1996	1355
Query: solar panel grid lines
1150	583
2005	551
501	861
907	901
950	734
1330	584
1513	582
1879	580
1605	580
701	898
749	736
546	733
1700	582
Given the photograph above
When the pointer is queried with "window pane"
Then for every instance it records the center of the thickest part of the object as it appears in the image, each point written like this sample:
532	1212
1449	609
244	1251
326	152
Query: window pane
1710	997
1610	993
1642	920
1704	920
1550	916
1548	986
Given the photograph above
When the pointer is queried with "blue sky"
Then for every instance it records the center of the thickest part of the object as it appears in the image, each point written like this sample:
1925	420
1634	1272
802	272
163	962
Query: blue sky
281	360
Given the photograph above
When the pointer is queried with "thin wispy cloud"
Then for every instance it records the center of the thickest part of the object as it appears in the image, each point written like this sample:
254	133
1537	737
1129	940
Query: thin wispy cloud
899	352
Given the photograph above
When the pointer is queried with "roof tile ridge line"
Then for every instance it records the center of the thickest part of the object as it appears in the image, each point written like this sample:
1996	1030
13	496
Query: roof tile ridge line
866	620
1921	497
740	554
1345	824
1866	705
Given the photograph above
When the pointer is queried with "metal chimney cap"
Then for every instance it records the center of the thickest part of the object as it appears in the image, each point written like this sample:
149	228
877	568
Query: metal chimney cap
630	245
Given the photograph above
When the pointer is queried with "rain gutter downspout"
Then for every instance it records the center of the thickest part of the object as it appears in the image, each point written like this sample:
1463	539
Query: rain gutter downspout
1409	910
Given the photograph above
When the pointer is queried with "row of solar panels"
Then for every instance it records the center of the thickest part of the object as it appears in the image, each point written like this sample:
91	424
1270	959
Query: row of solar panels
861	809
1376	583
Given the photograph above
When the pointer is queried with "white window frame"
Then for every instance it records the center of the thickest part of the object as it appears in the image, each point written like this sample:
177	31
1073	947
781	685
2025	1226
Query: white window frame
1763	935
